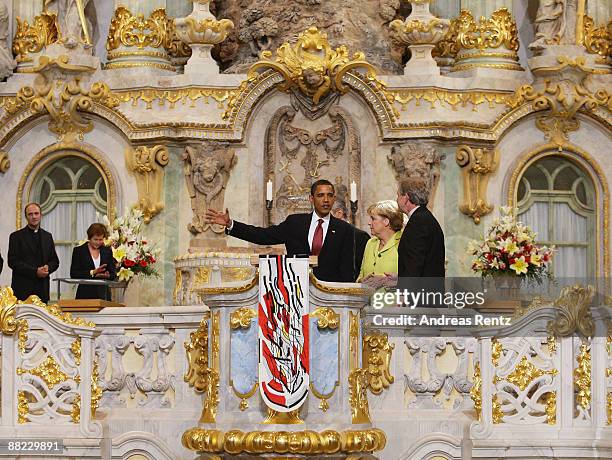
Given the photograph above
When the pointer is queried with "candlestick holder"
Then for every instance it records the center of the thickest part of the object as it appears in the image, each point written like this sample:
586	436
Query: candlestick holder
269	211
354	208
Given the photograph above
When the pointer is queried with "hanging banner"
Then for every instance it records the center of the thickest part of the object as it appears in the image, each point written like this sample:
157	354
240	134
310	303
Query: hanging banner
283	332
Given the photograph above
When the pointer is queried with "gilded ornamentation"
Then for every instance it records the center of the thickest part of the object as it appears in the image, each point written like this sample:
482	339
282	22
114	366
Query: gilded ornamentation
147	164
353	340
203	292
358	396
242	318
207	170
475	40
476	391
232	274
23	408
573	308
75	412
173	96
327	442
197	356
582	378
312	66
609	404
377	361
323	405
136	41
283	418
215	342
64	102
525	372
498	32
497	350
5	163
598	39
551	408
75	348
202	276
199	376
244	397
49	371
477	164
8	324
135	31
563	98
449	99
96	390
497	414
327	318
33	38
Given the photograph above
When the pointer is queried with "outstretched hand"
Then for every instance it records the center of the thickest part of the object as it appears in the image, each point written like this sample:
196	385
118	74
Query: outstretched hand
219	218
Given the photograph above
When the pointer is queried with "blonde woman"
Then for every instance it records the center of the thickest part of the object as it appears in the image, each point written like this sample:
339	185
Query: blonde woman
379	265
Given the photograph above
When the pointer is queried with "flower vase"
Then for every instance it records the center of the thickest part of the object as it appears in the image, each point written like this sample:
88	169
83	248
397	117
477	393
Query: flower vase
508	287
118	291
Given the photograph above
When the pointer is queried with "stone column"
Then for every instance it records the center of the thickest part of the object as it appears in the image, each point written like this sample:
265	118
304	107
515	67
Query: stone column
600	11
485	8
485	36
140	35
445	9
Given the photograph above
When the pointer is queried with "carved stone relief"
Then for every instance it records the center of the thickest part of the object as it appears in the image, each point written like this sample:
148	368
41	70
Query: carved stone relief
420	160
300	151
207	170
264	25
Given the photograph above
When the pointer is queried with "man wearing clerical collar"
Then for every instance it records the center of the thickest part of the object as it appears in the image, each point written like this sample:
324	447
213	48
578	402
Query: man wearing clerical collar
32	257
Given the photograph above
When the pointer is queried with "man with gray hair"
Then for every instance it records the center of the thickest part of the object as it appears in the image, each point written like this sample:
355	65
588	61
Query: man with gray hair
421	248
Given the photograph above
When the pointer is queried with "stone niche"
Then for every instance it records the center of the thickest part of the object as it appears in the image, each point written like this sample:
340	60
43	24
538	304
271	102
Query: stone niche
303	146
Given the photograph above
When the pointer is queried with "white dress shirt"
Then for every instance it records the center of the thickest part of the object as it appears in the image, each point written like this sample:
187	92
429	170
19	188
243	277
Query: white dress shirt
412	212
314	222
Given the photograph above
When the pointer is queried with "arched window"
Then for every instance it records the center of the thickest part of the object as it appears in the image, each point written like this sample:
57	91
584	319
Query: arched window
70	191
556	198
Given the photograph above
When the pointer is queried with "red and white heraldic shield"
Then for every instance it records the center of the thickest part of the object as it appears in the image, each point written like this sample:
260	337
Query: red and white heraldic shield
283	332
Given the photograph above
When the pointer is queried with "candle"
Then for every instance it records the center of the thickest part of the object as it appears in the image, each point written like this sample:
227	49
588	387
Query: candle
269	190
353	191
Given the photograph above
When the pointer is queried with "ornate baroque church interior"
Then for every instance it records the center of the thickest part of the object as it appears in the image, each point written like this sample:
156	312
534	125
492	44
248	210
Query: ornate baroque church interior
171	108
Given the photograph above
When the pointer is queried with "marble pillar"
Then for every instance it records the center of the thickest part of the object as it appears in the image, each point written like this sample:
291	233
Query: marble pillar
446	10
599	10
485	7
140	35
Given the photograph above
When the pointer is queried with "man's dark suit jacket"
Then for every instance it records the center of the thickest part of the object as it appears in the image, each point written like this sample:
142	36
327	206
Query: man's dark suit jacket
335	258
82	264
361	238
421	248
24	259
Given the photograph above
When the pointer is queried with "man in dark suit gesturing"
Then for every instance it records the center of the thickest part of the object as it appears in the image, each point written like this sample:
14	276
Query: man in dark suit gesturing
32	257
421	248
318	233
